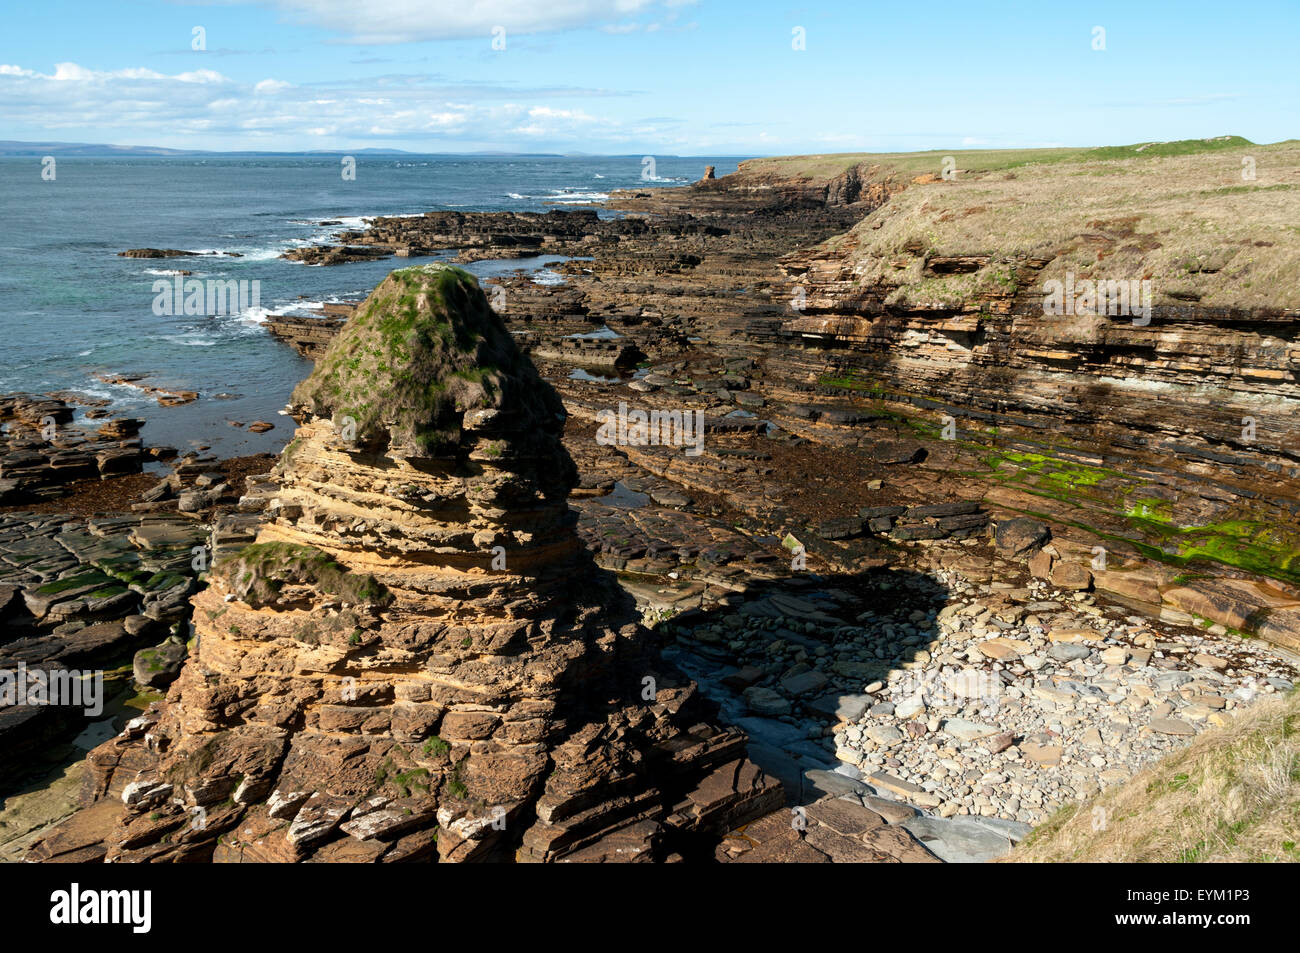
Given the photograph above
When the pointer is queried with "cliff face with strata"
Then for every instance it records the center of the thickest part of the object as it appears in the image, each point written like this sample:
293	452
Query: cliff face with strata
416	656
943	290
1172	431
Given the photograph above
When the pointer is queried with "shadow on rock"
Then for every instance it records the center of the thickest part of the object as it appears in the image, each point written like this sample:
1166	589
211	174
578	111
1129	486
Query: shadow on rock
790	659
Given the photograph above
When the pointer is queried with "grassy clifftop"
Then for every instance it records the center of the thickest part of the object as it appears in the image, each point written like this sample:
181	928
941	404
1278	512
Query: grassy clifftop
1232	795
1181	216
881	166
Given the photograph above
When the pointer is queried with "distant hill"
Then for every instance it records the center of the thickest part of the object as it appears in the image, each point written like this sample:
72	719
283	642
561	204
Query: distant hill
14	147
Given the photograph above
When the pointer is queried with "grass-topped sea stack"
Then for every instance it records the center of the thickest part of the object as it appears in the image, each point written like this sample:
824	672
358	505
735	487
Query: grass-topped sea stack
416	658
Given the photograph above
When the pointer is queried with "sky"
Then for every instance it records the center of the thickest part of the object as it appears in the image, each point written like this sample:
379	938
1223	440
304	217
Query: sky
621	77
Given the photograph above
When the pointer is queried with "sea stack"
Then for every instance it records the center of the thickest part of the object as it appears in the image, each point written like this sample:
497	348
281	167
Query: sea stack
417	659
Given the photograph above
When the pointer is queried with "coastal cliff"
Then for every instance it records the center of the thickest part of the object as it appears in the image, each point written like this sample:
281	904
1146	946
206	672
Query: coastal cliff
1169	427
936	547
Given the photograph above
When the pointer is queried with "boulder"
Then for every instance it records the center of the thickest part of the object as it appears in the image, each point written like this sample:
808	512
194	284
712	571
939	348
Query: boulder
1020	536
159	666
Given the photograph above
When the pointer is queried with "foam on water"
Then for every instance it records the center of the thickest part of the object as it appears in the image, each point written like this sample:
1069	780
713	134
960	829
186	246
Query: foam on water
603	333
576	196
189	340
71	308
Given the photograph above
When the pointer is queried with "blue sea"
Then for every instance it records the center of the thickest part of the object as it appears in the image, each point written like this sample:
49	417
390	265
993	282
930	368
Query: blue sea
71	309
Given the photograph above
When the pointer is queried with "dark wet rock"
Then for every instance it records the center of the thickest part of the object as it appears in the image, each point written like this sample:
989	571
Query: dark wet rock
841	528
1019	536
42	453
158	667
155	253
934	510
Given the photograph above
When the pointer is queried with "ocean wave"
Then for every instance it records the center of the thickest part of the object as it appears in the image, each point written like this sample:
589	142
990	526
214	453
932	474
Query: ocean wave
189	340
118	394
265	253
252	319
337	221
572	195
575	196
580	194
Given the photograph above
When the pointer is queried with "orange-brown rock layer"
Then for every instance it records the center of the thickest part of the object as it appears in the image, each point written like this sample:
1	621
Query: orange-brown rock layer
417	654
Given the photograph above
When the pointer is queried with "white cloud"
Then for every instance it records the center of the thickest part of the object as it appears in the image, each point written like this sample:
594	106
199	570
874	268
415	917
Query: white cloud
197	76
445	120
71	72
546	112
403	21
147	107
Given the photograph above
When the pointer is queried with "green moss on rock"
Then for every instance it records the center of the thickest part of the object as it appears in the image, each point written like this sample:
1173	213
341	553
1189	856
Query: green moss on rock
258	573
424	349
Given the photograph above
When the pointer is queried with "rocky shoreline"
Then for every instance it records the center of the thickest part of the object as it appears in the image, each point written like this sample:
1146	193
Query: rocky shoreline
1126	634
911	624
699	281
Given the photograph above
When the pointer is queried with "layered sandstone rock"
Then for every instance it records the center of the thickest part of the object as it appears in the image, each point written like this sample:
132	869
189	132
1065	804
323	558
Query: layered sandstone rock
311	334
1162	411
416	654
860	327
